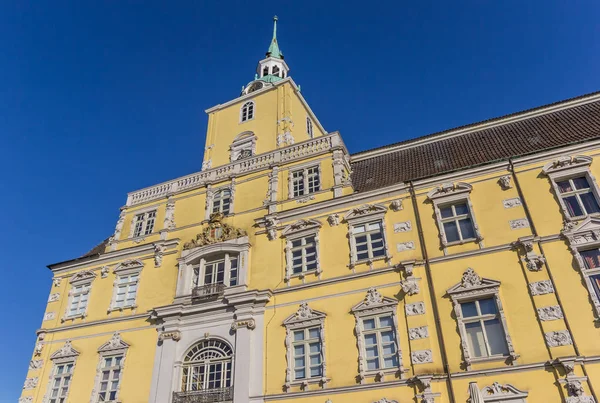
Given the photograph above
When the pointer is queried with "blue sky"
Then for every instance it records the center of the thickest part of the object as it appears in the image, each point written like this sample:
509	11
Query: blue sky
101	98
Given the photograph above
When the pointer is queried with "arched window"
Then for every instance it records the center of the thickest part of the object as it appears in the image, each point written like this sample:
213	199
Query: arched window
309	128
275	71
265	71
247	111
222	202
208	366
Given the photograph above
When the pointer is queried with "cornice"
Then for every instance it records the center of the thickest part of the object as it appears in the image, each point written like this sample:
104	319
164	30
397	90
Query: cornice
543	110
92	323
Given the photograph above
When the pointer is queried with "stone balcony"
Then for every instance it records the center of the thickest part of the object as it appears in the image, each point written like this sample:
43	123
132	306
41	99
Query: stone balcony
221	395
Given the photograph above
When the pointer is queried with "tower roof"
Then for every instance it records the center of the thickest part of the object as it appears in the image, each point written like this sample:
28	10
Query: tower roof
274	47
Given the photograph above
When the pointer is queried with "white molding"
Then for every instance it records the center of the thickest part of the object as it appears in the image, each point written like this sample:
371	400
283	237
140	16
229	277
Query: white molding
361	215
301	229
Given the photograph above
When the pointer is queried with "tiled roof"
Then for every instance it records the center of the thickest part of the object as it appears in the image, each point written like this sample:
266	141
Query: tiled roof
509	137
97	250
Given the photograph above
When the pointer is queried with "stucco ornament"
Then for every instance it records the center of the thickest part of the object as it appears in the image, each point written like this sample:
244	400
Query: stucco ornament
541	287
38	348
30	383
410	286
26	399
271	226
169	221
510	203
303	312
285	139
497	390
421	357
418	308
504	182
558	338
35	364
119	226
159	251
104	270
206	164
534	262
470	279
56	282
384	400
334	219
577	393
373	297
550	313
54	297
416	333
215	231
403	226
396	205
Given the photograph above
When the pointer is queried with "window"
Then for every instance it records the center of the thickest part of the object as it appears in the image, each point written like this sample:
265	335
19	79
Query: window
305	181
275	71
221	202
376	330
309	127
207	366
126	290
144	223
305	344
454	214
304	254
110	378
307	353
457	222
481	321
380	342
585	242
265	71
217	270
244	146
79	299
247	111
61	380
369	241
485	336
110	370
577	196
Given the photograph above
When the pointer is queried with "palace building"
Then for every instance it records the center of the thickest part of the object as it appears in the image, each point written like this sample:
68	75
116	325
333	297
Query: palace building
462	266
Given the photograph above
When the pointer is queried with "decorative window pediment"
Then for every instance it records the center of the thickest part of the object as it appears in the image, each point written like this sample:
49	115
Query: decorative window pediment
301	226
302	249
86	276
586	232
304	316
214	232
564	163
367	210
450	190
497	392
472	284
114	345
65	352
128	265
374	302
243	146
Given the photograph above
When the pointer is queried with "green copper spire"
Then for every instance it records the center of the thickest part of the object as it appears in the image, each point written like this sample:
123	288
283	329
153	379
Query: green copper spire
274	47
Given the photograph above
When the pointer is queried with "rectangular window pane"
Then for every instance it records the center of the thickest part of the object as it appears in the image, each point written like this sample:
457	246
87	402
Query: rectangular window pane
487	306
573	206
466	228
451	231
468	309
581	183
369	324
461	209
495	336
591	258
596	284
589	203
564	186
475	339
446	212
370	339
386	321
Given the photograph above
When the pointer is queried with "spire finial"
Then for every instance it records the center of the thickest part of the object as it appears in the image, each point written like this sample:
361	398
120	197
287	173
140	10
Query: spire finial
274	47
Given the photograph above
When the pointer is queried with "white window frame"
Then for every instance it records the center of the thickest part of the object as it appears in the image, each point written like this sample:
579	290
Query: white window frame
248	111
305	180
66	355
309	127
569	167
472	287
190	258
243	141
199	269
375	305
452	194
210	199
125	269
586	236
113	348
224	348
304	318
299	230
146	216
82	279
218	202
365	214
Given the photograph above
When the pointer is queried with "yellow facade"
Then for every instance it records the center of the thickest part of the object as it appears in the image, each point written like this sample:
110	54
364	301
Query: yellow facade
523	255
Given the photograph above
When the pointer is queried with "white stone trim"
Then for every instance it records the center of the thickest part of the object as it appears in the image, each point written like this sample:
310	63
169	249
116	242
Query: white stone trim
472	287
452	193
304	318
375	304
501	393
210	198
241	142
361	215
566	167
251	101
301	229
64	355
125	268
145	212
304	169
82	278
115	346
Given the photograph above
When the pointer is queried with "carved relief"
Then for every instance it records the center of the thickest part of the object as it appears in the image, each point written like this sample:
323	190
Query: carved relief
550	313
410	286
333	220
510	203
159	251
271	226
206	164
498	390
541	287
214	232
54	297
396	205
247	323
418	333
104	271
421	357
558	338
418	308
519	223
174	335
285	139
49	316
119	226
504	182
305	199
169	221
534	262
35	364
373	297
26	399
56	281
403	226
403	246
30	383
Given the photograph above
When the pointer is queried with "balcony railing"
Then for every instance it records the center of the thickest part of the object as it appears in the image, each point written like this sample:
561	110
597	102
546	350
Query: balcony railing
204	396
208	291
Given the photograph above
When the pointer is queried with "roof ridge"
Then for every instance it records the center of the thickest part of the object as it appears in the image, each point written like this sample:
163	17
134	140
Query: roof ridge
474	125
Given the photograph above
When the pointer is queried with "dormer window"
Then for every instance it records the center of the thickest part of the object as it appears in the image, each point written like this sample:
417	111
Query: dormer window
247	111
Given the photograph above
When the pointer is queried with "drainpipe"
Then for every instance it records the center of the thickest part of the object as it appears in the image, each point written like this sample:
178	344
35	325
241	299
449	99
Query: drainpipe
436	316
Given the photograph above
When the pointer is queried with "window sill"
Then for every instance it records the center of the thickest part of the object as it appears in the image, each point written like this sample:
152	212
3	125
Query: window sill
303	383
461	242
381	373
370	260
490	358
72	317
302	275
121	308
